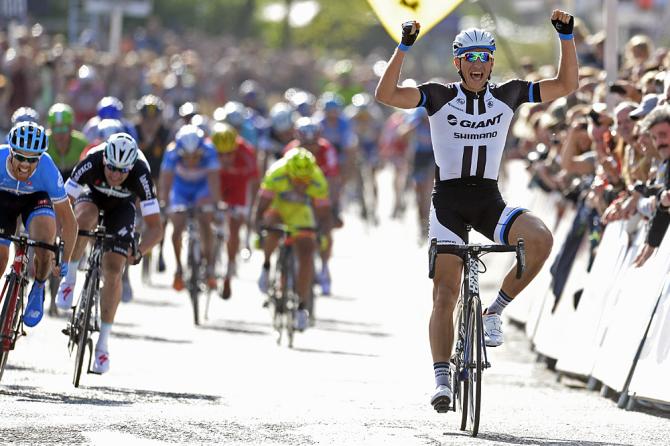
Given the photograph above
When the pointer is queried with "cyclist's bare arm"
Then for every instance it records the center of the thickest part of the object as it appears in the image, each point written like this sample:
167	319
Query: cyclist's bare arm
324	216
68	224
567	79
389	92
152	233
165	184
263	203
213	184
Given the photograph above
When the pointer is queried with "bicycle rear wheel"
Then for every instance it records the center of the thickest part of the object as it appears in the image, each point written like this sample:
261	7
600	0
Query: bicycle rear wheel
7	312
81	324
194	279
475	366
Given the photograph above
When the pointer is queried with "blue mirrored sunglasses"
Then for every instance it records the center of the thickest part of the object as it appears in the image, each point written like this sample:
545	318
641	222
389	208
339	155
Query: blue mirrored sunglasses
473	56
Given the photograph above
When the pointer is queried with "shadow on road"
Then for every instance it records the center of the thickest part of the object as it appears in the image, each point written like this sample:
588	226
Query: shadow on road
512	439
150	338
237	328
142	395
153	303
334	352
35	394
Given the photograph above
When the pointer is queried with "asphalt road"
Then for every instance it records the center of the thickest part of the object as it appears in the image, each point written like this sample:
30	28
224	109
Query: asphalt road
362	375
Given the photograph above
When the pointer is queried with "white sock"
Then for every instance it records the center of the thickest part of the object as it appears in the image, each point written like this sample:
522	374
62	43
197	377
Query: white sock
105	330
71	276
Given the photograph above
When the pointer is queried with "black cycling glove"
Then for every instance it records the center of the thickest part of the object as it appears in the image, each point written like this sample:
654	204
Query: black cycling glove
408	39
562	28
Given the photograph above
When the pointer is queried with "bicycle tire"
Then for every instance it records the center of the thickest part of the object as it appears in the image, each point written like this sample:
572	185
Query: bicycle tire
476	368
3	315
289	296
193	286
81	325
460	385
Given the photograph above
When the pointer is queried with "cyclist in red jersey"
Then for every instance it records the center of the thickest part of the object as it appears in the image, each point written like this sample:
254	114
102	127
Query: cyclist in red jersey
307	133
238	168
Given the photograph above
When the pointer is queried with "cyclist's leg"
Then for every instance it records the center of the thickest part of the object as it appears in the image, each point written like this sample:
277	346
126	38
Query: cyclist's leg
538	240
271	241
446	226
206	219
42	228
234	224
180	197
113	264
10	210
86	212
305	245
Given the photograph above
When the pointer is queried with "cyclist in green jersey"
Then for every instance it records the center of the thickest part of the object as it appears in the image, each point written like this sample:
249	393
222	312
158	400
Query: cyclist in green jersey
65	143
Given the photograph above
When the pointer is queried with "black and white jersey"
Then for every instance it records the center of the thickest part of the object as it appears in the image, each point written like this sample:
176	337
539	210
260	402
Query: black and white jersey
469	129
90	173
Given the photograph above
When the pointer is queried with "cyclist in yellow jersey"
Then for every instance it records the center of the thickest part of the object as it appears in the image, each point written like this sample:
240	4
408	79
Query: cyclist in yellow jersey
294	192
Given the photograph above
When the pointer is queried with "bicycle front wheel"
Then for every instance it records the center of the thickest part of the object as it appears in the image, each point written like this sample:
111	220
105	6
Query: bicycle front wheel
8	318
81	324
475	366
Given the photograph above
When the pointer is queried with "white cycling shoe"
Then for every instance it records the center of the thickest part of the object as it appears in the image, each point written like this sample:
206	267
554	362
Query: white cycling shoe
441	399
264	280
65	295
324	281
101	363
493	335
301	320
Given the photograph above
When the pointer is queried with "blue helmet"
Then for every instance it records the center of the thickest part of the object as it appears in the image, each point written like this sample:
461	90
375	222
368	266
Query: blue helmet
189	138
29	137
110	107
331	101
23	114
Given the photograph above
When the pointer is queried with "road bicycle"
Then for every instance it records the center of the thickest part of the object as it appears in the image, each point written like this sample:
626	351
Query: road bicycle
85	318
283	298
469	359
14	290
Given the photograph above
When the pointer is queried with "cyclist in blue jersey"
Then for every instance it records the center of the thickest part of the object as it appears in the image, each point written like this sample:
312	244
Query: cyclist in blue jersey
190	177
31	187
423	163
469	121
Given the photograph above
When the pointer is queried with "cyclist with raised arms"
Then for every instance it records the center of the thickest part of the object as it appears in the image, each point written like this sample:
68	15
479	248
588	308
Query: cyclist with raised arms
31	187
469	121
190	177
110	178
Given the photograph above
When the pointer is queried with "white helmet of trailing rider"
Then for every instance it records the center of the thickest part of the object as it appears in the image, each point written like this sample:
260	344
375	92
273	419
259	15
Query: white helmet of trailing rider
121	151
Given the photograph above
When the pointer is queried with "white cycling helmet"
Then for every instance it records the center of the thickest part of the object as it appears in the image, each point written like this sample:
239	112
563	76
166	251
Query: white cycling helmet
472	38
121	150
189	138
281	116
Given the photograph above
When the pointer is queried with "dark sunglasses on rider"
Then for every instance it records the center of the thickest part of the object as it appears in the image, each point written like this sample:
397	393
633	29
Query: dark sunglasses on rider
118	169
25	159
473	56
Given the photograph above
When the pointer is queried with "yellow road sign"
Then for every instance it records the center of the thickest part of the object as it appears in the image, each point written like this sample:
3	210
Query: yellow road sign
392	13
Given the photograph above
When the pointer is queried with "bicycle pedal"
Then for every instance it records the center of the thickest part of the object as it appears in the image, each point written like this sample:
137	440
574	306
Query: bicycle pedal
442	405
66	331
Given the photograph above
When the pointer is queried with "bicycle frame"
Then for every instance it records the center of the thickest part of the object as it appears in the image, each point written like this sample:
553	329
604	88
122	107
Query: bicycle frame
16	279
11	328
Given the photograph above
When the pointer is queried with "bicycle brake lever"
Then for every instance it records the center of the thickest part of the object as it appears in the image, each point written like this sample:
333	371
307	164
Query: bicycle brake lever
59	252
520	258
432	254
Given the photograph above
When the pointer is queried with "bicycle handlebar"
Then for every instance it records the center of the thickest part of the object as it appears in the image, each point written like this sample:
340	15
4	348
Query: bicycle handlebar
283	229
57	249
461	250
134	240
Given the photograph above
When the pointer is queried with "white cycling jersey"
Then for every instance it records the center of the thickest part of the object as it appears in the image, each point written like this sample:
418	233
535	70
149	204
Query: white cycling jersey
469	129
